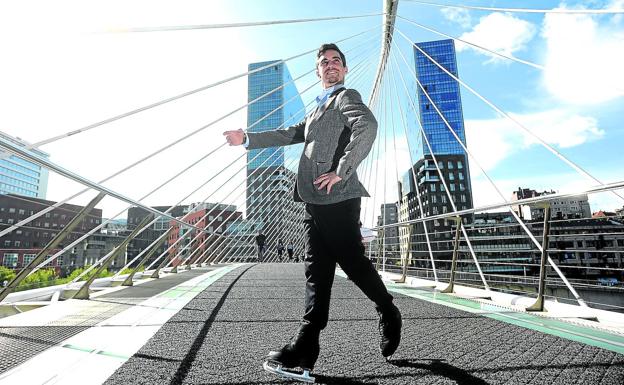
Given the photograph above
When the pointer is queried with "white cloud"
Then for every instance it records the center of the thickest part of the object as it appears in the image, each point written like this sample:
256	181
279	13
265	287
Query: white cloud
457	15
616	5
584	57
493	140
499	32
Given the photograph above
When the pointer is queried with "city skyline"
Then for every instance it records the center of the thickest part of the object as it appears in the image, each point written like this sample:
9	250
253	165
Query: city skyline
85	81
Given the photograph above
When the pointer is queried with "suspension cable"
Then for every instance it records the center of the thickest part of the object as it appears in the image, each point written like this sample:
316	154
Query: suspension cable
235	25
523	10
440	174
411	168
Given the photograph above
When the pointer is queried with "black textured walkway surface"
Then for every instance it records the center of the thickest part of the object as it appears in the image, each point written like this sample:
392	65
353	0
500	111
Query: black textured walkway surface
222	335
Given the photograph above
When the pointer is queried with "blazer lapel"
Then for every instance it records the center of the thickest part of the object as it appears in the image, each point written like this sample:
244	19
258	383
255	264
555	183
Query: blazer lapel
318	112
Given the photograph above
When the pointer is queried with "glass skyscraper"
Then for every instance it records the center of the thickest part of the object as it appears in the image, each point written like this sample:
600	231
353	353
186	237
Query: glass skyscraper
444	92
260	83
22	177
270	205
425	178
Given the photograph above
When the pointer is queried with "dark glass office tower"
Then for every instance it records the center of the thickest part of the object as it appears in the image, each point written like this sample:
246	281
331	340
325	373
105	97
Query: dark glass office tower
443	93
269	182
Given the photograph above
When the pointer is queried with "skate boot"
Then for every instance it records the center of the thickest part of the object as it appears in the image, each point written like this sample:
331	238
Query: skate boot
296	359
390	330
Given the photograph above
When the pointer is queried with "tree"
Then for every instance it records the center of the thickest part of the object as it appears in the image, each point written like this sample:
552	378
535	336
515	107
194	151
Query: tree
6	275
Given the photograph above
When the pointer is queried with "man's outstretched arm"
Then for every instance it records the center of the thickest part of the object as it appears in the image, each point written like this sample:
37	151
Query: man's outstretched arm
274	138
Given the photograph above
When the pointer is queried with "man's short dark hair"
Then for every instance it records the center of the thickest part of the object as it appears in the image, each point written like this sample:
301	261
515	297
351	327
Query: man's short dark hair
327	47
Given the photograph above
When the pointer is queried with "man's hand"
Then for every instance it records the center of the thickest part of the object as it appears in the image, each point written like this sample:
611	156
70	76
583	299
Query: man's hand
327	180
235	138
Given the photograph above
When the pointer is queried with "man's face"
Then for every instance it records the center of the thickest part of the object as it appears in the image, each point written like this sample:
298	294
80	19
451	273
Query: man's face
330	68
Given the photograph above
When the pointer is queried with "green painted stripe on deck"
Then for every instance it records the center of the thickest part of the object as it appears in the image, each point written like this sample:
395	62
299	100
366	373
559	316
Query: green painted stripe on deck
587	335
113	355
79	348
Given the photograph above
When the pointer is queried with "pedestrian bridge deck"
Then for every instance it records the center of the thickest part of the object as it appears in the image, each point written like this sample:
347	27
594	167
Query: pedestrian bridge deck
214	325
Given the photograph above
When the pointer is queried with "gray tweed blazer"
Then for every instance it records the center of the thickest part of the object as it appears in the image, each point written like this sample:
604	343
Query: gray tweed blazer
337	137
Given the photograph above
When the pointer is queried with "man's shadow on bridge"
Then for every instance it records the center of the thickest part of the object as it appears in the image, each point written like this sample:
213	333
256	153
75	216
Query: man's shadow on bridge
441	368
437	367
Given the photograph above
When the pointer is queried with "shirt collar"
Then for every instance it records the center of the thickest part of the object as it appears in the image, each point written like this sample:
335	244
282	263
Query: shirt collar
322	98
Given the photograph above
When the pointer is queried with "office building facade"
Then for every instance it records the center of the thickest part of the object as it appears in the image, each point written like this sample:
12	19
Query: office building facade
20	176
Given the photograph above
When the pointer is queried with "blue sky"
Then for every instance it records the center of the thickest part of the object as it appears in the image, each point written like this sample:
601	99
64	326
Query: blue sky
65	72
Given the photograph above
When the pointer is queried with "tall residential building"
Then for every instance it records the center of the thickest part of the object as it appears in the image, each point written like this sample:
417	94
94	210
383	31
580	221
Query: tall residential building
20	176
441	157
270	182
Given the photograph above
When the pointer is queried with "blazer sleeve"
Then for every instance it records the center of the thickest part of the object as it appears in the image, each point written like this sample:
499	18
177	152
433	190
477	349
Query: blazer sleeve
363	125
277	138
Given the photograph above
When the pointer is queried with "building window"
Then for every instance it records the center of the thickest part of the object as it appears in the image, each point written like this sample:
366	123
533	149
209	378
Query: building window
432	188
22	212
451	176
10	260
461	175
450	165
29	258
452	186
460	164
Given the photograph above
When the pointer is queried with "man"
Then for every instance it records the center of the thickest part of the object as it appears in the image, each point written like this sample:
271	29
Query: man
280	249
337	135
260	239
291	250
